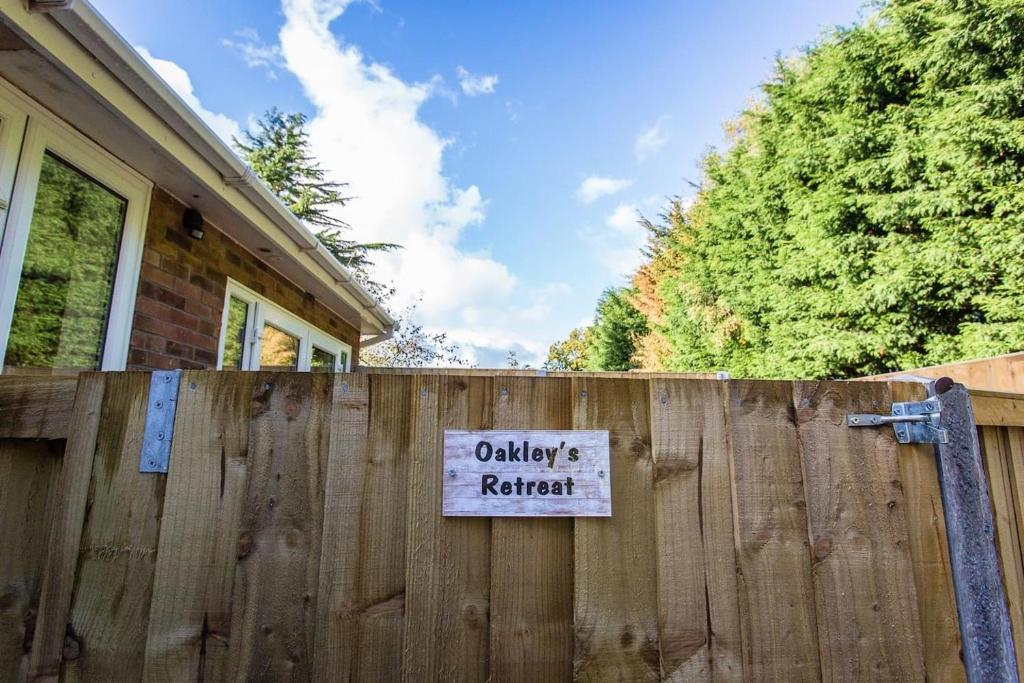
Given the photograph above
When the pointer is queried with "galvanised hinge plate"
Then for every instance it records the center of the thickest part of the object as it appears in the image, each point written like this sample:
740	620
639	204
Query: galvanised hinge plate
913	421
159	430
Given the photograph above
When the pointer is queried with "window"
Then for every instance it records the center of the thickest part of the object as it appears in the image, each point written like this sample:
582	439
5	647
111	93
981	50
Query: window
259	335
236	321
71	246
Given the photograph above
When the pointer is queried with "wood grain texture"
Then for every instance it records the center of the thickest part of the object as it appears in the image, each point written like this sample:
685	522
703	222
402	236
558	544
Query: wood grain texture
929	551
362	572
28	475
698	614
110	609
190	617
776	593
33	407
868	624
448	559
996	454
66	512
276	579
997	373
998	411
531	573
677	449
1013	444
616	595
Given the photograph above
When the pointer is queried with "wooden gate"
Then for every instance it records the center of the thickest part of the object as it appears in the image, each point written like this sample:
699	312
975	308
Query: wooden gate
299	534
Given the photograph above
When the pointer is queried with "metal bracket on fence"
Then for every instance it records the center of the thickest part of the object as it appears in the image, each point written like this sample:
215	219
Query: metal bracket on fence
913	421
946	419
159	429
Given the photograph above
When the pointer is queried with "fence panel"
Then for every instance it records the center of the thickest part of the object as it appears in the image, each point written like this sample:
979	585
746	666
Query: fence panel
298	534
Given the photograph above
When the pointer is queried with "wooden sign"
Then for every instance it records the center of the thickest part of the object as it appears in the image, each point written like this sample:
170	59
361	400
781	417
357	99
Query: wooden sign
526	474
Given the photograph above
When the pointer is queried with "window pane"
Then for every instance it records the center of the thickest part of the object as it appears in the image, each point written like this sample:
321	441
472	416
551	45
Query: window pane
279	350
234	335
321	361
60	315
343	361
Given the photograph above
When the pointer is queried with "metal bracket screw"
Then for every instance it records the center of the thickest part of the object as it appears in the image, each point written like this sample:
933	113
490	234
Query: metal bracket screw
912	421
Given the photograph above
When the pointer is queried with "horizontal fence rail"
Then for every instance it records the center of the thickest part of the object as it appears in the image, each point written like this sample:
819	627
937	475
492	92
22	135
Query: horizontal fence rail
298	533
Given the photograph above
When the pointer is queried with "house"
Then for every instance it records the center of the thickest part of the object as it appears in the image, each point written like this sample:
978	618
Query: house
132	236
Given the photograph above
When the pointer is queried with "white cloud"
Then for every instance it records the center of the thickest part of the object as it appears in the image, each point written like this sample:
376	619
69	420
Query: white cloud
476	85
618	246
366	130
624	218
256	53
178	79
652	139
594	187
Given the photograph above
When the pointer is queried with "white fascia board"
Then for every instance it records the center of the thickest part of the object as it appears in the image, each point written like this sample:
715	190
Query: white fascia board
77	38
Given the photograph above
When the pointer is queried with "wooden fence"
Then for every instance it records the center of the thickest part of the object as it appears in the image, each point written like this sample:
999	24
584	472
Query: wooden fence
997	373
299	533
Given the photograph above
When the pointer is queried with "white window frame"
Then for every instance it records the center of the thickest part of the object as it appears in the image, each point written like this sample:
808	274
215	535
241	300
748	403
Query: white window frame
13	118
43	132
264	311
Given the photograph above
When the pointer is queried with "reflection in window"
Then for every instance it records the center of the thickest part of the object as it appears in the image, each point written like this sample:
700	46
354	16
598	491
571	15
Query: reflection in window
63	301
321	361
234	337
278	350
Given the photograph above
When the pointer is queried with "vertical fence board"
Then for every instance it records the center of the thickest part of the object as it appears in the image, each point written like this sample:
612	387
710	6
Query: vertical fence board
616	580
698	613
275	590
531	559
363	565
776	594
929	551
190	616
1015	462
677	449
346	469
448	578
67	515
996	454
110	609
1014	451
868	624
28	471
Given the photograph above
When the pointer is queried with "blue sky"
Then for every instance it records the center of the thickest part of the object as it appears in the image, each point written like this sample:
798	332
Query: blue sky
507	145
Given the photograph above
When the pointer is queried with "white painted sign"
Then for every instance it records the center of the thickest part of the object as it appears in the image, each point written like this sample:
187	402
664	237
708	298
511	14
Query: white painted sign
526	474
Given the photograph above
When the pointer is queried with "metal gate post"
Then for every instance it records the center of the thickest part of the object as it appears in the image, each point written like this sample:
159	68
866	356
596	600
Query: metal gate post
980	598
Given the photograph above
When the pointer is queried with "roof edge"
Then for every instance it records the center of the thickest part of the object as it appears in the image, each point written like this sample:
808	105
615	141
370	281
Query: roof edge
108	47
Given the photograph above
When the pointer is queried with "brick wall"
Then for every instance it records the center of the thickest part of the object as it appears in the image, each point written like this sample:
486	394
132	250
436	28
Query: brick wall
181	293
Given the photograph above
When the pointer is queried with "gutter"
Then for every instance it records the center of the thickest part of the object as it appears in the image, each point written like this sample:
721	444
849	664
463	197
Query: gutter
103	42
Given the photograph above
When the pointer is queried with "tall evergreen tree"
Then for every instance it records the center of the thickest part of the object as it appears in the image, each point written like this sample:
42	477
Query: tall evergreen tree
278	152
617	326
869	214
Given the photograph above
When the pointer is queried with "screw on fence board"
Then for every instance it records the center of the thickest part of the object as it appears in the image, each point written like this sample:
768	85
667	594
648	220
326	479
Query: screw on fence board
158	432
988	649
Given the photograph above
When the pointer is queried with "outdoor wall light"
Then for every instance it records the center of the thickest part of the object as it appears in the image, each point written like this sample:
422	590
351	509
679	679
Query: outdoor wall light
192	221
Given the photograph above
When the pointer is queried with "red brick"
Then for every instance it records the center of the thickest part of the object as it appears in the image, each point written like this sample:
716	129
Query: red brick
155	275
182	290
180	350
